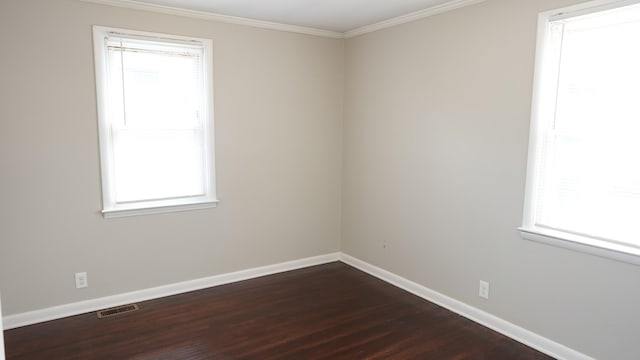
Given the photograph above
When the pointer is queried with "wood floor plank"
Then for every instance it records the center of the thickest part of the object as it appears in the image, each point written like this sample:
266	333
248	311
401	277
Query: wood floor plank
330	311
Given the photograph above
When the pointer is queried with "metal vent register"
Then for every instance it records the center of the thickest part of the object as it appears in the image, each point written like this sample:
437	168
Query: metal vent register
117	311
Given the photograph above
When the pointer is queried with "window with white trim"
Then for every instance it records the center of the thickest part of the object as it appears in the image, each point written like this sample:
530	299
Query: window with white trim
583	177
155	118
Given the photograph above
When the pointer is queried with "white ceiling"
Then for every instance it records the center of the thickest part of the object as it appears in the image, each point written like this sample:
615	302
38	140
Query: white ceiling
339	16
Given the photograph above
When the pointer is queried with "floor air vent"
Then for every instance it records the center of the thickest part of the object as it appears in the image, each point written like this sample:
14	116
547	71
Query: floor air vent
117	311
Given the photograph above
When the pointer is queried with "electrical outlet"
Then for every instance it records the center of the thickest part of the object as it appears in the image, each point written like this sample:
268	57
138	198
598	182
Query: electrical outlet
81	280
483	291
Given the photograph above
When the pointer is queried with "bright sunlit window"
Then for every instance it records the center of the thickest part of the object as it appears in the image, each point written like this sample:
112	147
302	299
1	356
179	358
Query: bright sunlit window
155	121
583	182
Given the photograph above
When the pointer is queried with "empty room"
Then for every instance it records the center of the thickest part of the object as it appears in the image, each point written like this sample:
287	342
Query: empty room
298	179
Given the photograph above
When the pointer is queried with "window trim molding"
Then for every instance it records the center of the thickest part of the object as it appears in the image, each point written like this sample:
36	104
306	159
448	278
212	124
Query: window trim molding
108	214
529	230
582	244
110	208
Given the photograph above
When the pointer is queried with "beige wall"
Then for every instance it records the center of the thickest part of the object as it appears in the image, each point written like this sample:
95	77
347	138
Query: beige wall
278	120
435	150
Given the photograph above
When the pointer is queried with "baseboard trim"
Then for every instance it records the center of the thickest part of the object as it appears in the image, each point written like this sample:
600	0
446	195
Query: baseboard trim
495	323
502	326
77	308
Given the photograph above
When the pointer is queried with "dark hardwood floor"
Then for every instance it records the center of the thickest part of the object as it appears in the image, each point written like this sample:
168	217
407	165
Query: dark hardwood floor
330	311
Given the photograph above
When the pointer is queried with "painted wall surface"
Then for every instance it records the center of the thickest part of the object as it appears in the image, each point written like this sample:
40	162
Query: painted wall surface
278	121
435	152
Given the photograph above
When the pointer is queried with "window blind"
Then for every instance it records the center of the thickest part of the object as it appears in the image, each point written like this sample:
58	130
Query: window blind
155	94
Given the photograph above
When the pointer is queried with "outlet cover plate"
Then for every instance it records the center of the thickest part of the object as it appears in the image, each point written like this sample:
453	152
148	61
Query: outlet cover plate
81	280
483	290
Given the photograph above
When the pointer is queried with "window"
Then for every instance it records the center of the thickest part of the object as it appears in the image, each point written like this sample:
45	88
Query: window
583	177
155	121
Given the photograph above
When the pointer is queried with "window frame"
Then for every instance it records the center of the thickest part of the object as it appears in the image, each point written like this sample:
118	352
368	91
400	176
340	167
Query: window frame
529	230
110	207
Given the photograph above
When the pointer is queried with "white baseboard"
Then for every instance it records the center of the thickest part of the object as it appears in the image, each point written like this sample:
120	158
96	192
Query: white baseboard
495	323
502	326
62	311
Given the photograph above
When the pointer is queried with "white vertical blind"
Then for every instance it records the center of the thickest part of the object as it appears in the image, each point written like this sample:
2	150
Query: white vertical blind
155	101
590	171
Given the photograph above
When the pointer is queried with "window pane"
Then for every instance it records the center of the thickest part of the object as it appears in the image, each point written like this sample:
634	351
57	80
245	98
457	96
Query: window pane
158	164
591	174
156	89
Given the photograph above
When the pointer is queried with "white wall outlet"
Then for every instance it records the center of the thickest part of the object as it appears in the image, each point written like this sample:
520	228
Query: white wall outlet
81	280
483	291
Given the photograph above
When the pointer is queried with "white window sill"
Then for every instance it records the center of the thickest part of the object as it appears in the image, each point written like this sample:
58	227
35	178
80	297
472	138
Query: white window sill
619	252
114	213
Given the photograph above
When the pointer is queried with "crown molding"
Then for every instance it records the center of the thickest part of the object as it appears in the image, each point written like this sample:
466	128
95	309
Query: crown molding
430	11
138	5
